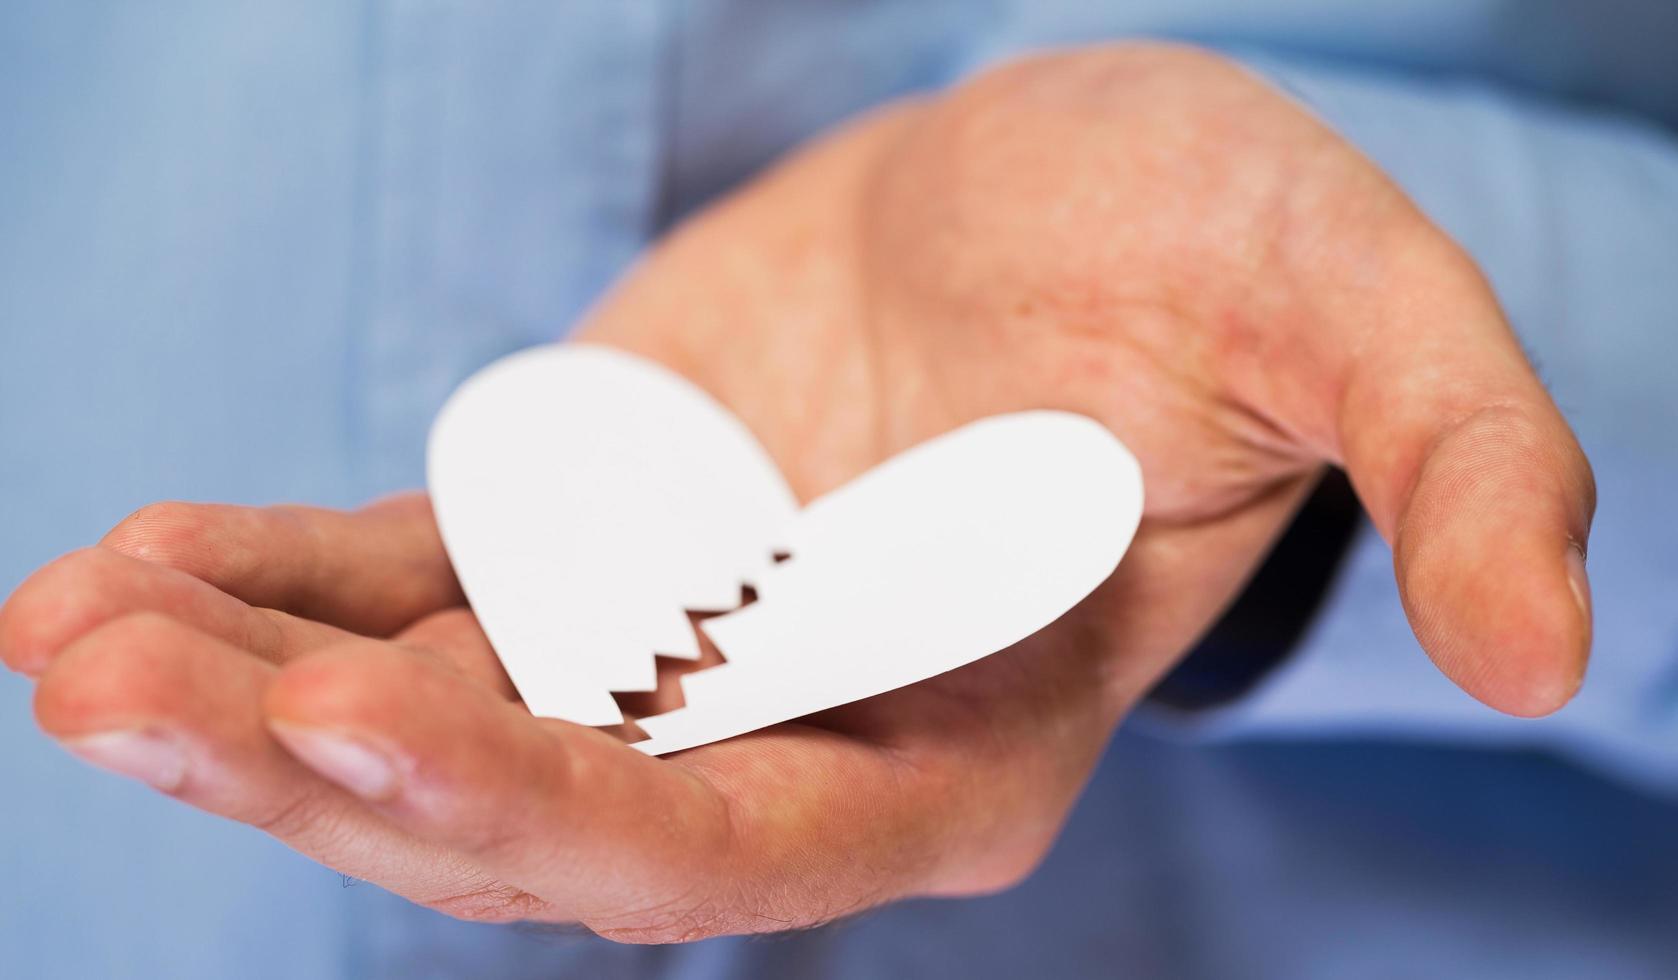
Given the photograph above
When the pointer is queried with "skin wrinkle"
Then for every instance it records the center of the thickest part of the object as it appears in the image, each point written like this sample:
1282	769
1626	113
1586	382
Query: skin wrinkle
1242	489
1290	249
272	640
290	816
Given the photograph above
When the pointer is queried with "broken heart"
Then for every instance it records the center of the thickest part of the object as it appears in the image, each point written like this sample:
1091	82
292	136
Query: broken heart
588	498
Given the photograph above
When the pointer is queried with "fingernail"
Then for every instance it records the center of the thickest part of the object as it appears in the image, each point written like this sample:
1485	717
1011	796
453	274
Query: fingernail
150	756
1577	580
346	761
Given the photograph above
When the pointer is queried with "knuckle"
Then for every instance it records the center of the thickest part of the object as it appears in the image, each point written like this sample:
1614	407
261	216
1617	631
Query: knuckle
980	159
1138	83
1106	65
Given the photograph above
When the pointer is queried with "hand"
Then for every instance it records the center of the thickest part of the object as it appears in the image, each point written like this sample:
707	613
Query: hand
1147	235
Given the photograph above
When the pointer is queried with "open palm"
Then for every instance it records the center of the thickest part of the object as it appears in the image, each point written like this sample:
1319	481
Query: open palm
1146	235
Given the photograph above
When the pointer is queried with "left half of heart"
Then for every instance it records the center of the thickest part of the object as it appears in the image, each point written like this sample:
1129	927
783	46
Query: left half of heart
589	499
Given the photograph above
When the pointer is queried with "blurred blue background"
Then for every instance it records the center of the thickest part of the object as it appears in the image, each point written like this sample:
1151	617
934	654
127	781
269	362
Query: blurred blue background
247	248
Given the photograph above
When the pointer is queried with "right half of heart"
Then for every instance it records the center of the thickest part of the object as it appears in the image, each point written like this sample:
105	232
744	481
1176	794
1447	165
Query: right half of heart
589	499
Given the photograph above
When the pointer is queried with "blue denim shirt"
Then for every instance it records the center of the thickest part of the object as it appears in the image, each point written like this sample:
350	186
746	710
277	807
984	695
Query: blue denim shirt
246	250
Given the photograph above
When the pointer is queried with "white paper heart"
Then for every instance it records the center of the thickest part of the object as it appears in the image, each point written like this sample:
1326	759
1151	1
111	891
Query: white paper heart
588	498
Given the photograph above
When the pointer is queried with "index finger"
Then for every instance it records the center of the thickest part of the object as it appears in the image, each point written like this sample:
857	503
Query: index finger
1456	449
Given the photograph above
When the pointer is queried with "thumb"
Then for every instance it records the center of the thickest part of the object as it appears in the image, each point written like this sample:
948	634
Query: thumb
1471	473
